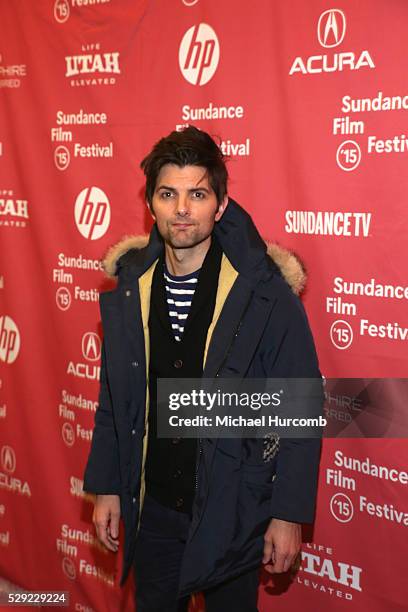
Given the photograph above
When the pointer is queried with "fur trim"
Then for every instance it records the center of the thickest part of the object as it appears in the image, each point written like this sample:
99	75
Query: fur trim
120	248
290	265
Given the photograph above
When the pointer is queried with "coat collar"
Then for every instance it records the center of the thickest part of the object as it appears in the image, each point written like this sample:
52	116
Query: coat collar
249	254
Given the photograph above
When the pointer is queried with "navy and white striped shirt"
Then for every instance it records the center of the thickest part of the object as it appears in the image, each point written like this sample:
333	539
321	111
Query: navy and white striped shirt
179	294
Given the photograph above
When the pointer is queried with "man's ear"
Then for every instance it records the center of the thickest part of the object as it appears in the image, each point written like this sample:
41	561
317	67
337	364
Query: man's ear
221	208
151	210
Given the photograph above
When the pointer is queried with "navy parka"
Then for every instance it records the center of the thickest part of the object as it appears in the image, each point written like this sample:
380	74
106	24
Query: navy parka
259	330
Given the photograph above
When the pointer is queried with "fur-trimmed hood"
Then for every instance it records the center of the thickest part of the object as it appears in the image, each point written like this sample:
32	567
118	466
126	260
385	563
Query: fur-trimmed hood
289	264
239	240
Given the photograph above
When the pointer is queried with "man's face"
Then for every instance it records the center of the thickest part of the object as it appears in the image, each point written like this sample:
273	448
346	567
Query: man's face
185	206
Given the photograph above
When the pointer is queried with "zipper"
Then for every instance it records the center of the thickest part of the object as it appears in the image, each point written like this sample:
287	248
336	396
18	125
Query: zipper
226	355
231	344
200	450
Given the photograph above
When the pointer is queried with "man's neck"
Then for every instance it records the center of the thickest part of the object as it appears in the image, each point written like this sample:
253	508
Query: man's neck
180	262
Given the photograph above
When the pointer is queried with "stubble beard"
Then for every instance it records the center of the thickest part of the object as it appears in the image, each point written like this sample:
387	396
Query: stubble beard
184	239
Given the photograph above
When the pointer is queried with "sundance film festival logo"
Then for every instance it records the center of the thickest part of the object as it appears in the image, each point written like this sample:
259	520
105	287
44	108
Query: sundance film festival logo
92	213
68	434
331	30
63	298
342	508
9	340
199	54
348	155
62	157
8	459
341	334
61	11
68	567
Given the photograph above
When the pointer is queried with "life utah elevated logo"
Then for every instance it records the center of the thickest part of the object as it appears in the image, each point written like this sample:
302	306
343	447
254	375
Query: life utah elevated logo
331	33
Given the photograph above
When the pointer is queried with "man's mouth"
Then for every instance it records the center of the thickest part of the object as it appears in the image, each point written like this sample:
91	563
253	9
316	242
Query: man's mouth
182	225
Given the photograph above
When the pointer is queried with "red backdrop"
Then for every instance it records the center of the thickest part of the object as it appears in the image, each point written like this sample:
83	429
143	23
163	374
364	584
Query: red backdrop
310	102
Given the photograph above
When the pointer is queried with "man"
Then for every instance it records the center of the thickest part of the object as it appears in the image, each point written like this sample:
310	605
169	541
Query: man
201	298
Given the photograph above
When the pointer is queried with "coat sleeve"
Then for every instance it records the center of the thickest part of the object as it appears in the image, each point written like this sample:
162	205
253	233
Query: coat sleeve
291	353
102	474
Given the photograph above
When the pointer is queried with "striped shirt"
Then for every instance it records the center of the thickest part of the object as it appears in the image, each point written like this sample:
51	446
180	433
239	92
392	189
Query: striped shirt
179	294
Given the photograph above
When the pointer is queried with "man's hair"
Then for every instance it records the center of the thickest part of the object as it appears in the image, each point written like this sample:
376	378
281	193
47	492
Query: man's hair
189	147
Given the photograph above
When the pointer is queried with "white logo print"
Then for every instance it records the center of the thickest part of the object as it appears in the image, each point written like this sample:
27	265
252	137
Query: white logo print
348	155
63	298
68	434
8	459
331	28
341	334
62	157
61	11
92	213
341	507
9	340
199	54
91	346
68	568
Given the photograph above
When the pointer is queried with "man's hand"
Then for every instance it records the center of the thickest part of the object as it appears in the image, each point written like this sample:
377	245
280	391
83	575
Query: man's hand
106	517
282	545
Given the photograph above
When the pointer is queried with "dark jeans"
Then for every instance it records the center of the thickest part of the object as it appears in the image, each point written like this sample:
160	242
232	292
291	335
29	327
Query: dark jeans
159	550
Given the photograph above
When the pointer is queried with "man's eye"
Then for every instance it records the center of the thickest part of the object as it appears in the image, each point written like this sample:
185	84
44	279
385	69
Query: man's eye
166	194
198	195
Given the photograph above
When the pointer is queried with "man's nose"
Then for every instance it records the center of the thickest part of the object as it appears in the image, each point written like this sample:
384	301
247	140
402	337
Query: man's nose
182	206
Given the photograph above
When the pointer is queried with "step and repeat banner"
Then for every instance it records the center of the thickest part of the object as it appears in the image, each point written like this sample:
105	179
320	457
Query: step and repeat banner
310	102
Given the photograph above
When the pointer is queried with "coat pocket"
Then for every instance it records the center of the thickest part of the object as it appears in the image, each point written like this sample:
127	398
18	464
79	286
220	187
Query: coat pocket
254	500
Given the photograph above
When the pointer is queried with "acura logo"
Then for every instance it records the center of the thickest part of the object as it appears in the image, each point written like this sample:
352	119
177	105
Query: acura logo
91	346
331	28
8	459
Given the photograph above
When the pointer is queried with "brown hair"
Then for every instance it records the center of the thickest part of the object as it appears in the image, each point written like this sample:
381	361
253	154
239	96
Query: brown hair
189	147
